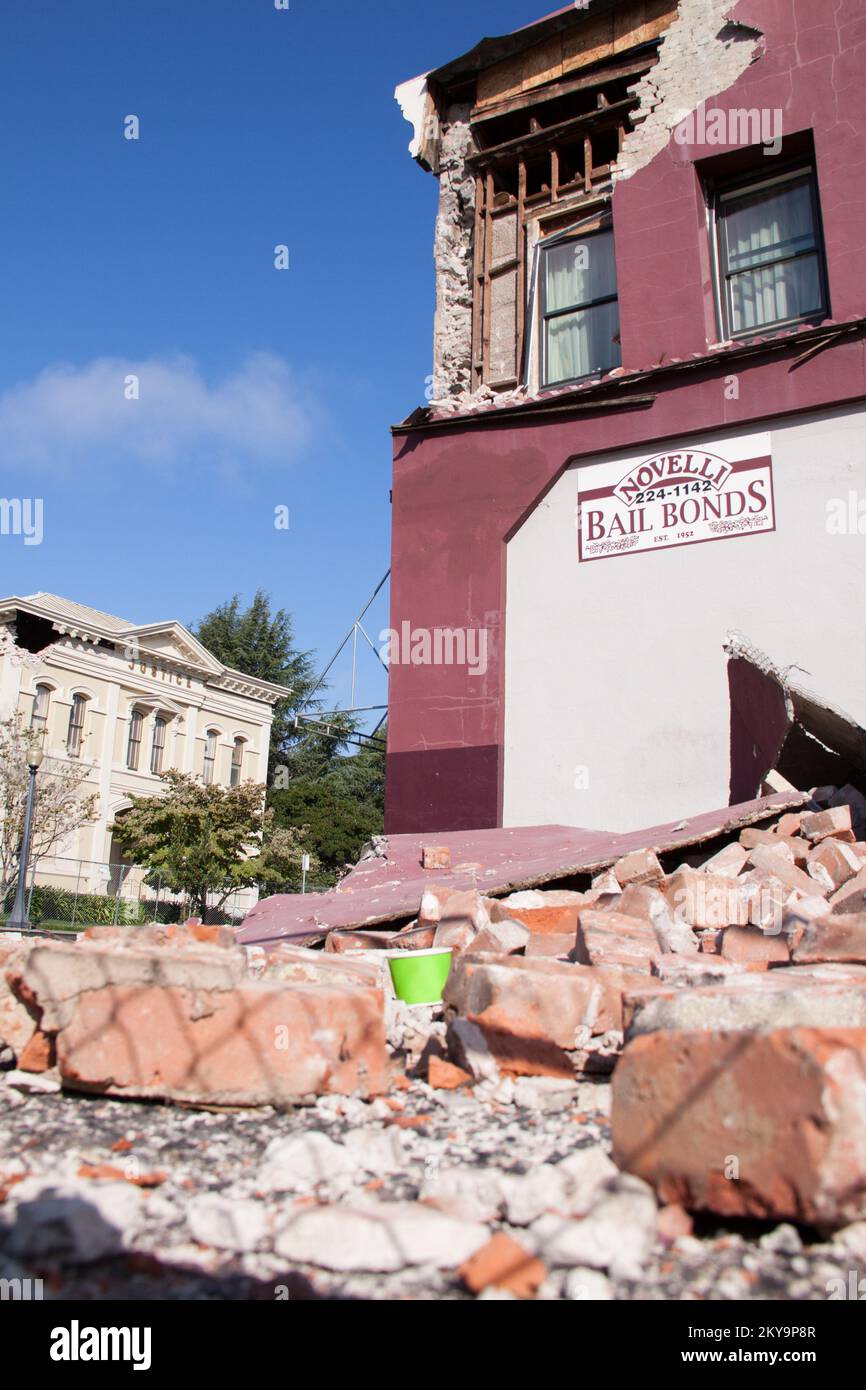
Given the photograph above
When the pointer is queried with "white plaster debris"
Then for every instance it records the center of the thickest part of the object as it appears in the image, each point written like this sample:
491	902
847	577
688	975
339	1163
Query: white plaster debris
388	1237
239	1225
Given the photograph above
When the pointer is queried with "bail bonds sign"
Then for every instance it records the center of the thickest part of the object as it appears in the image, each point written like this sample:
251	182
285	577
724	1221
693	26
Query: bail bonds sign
680	496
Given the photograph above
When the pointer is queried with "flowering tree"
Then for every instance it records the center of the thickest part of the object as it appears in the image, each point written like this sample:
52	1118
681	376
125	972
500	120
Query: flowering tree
60	807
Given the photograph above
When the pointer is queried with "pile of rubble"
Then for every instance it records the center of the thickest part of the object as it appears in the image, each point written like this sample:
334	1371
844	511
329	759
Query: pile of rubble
672	1042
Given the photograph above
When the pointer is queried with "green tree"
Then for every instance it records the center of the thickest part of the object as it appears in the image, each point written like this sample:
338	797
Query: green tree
261	642
203	840
340	802
313	783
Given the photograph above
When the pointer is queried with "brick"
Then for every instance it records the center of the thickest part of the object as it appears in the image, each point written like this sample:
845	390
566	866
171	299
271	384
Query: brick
53	974
17	1020
605	882
798	915
532	1013
436	857
851	897
297	965
450	906
38	1054
796	996
695	970
503	1264
164	934
836	820
455	935
506	936
775	861
854	799
729	861
550	945
766	899
840	862
542	920
789	823
706	900
257	1044
614	939
642	866
651	906
344	940
548	897
750	945
753	836
444	1076
837	937
769	1126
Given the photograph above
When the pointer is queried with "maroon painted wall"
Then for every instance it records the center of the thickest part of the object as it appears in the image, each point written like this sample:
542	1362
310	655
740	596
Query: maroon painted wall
460	492
759	724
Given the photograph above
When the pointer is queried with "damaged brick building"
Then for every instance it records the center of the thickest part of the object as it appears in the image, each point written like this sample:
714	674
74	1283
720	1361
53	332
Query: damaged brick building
649	335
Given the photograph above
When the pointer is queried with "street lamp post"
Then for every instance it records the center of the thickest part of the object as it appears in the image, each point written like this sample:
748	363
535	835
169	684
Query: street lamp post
18	919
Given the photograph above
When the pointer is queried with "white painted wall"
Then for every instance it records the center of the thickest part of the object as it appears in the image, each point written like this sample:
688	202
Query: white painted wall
617	665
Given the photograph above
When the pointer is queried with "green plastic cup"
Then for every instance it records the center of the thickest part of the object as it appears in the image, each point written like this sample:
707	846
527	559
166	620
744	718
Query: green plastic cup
419	976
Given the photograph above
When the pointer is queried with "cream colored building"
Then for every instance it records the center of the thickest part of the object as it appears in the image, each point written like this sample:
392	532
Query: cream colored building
129	702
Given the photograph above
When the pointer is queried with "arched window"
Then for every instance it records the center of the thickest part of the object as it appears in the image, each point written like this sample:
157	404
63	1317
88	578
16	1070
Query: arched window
133	747
41	700
75	732
210	751
237	761
157	748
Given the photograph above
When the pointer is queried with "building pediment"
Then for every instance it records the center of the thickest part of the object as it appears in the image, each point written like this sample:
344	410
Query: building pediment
173	644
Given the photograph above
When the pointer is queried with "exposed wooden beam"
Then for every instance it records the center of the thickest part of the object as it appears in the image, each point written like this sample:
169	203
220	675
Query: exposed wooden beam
529	144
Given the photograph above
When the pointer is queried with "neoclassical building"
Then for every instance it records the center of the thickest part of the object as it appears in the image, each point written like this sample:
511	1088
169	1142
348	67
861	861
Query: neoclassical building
129	702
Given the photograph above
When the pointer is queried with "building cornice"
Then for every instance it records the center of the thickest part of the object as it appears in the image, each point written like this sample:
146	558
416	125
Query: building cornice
194	660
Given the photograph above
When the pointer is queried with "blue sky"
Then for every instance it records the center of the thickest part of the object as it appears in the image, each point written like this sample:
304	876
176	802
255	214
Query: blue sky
258	388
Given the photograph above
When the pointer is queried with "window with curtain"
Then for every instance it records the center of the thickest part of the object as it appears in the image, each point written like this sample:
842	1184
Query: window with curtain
75	732
237	761
579	308
210	750
41	700
157	748
133	747
770	259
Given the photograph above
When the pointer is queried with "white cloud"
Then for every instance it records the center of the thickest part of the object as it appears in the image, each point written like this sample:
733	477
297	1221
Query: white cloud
261	413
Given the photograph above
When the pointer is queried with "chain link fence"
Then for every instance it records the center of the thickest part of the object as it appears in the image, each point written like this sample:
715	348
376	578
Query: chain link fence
77	893
89	893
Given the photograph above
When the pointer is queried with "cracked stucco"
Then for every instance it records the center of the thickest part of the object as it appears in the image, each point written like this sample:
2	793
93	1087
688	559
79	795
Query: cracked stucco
702	55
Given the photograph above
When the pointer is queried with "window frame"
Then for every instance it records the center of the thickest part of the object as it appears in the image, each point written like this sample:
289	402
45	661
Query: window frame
39	722
136	722
211	742
741	185
157	744
237	763
544	246
75	728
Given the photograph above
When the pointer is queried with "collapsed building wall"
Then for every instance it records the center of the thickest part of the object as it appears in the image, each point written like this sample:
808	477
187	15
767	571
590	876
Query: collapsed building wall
596	102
